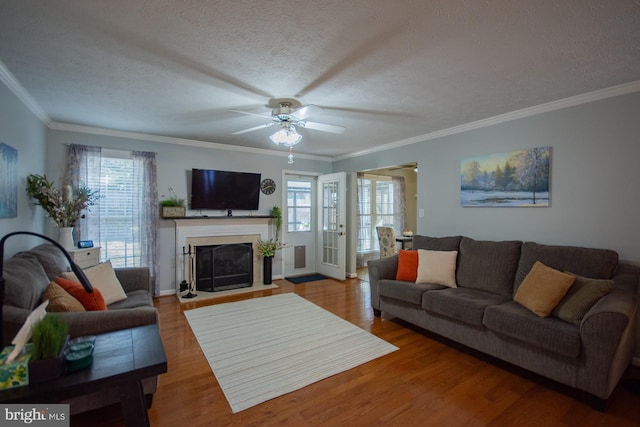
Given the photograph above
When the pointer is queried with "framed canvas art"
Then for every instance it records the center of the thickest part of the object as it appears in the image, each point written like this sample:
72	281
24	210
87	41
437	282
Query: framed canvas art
8	181
516	178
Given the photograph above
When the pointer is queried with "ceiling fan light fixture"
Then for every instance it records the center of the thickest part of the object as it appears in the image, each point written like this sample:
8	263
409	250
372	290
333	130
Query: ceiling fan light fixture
286	136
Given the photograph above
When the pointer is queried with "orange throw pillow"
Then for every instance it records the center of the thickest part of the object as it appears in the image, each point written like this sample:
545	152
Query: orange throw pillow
90	301
407	266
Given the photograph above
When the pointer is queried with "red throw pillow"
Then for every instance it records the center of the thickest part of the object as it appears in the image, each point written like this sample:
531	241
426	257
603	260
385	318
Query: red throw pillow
90	301
407	266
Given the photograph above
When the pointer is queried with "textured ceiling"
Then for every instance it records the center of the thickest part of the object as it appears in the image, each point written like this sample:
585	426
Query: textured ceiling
385	70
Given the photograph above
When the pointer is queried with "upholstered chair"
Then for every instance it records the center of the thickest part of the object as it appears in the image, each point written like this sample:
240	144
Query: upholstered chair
387	240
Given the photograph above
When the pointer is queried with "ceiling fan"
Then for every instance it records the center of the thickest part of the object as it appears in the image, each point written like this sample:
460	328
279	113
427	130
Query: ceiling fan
289	114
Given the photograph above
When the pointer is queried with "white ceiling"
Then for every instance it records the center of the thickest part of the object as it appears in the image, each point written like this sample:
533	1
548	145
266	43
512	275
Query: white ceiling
385	70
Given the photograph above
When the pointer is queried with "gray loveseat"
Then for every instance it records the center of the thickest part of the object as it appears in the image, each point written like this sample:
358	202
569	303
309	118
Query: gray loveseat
481	313
27	275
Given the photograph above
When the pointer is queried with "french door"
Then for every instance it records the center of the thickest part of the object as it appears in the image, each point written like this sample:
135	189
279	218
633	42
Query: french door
331	232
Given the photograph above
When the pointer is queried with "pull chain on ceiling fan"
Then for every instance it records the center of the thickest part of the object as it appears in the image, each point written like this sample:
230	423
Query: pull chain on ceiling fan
289	115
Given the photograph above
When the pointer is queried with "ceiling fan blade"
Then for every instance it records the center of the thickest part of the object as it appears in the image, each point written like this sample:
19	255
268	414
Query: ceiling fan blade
323	127
264	116
253	128
307	111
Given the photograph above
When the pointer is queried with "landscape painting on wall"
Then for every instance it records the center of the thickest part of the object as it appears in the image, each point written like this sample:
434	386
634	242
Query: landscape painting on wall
517	178
8	181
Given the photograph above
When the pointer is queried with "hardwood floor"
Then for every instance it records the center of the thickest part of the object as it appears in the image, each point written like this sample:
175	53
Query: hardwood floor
425	383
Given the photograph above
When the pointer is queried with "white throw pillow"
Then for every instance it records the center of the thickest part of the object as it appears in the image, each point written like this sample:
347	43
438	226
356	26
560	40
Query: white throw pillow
437	267
102	277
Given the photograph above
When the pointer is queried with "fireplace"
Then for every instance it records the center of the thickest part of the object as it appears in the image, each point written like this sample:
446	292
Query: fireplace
194	232
223	267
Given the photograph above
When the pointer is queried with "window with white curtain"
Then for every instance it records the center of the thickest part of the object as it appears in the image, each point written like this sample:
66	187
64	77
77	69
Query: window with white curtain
116	240
125	220
377	206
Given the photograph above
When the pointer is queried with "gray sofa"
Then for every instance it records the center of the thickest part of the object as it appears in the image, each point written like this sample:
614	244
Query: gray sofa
27	275
481	313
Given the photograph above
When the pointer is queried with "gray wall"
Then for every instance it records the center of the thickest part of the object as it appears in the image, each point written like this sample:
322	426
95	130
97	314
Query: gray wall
594	178
174	164
595	196
22	130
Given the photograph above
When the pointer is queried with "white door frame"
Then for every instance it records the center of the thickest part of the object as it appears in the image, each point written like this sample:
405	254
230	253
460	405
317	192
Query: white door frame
283	180
331	257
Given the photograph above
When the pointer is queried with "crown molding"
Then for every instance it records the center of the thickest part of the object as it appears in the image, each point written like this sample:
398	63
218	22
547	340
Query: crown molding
18	90
176	141
597	95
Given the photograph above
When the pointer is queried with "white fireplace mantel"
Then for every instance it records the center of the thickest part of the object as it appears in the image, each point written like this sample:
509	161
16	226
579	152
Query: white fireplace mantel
196	229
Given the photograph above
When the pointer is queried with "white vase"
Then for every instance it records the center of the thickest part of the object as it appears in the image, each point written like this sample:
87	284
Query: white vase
66	237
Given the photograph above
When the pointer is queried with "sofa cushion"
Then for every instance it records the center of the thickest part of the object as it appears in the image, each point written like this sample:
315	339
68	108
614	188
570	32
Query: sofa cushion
103	277
550	334
437	267
407	265
405	291
91	301
436	243
60	300
134	299
543	289
488	266
25	281
584	293
463	304
586	262
51	258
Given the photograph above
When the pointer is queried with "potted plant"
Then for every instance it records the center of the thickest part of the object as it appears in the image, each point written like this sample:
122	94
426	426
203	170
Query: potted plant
49	337
268	248
277	214
64	205
172	206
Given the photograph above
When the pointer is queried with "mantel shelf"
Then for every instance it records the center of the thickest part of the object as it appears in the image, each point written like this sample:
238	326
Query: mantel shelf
221	217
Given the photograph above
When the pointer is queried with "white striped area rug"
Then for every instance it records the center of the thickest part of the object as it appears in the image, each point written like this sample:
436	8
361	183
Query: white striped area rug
265	347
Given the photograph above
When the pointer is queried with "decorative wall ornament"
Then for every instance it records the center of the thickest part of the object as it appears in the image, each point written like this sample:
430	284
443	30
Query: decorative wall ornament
8	181
516	178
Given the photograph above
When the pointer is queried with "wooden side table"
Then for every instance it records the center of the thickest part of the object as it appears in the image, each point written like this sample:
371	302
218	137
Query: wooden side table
404	239
121	359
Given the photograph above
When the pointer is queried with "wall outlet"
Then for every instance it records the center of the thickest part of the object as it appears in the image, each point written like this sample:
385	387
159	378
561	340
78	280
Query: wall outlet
421	213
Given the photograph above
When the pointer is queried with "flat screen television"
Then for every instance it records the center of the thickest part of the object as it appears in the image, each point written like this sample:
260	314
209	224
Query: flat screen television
214	189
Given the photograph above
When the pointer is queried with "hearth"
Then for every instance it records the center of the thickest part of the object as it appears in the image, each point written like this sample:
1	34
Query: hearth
223	267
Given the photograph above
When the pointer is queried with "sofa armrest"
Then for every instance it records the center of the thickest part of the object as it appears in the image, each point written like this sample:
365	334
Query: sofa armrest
100	322
83	323
134	279
608	333
380	269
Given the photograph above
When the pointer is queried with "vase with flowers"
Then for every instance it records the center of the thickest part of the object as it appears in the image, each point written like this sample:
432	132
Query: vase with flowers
268	248
63	205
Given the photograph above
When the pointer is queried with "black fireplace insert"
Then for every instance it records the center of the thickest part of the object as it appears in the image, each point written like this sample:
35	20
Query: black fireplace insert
224	267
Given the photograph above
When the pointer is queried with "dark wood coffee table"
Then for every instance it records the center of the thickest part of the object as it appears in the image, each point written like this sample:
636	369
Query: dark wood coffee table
121	359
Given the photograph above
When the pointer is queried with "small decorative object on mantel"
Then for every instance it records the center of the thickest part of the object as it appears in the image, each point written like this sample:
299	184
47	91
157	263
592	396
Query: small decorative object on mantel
64	205
268	248
172	206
